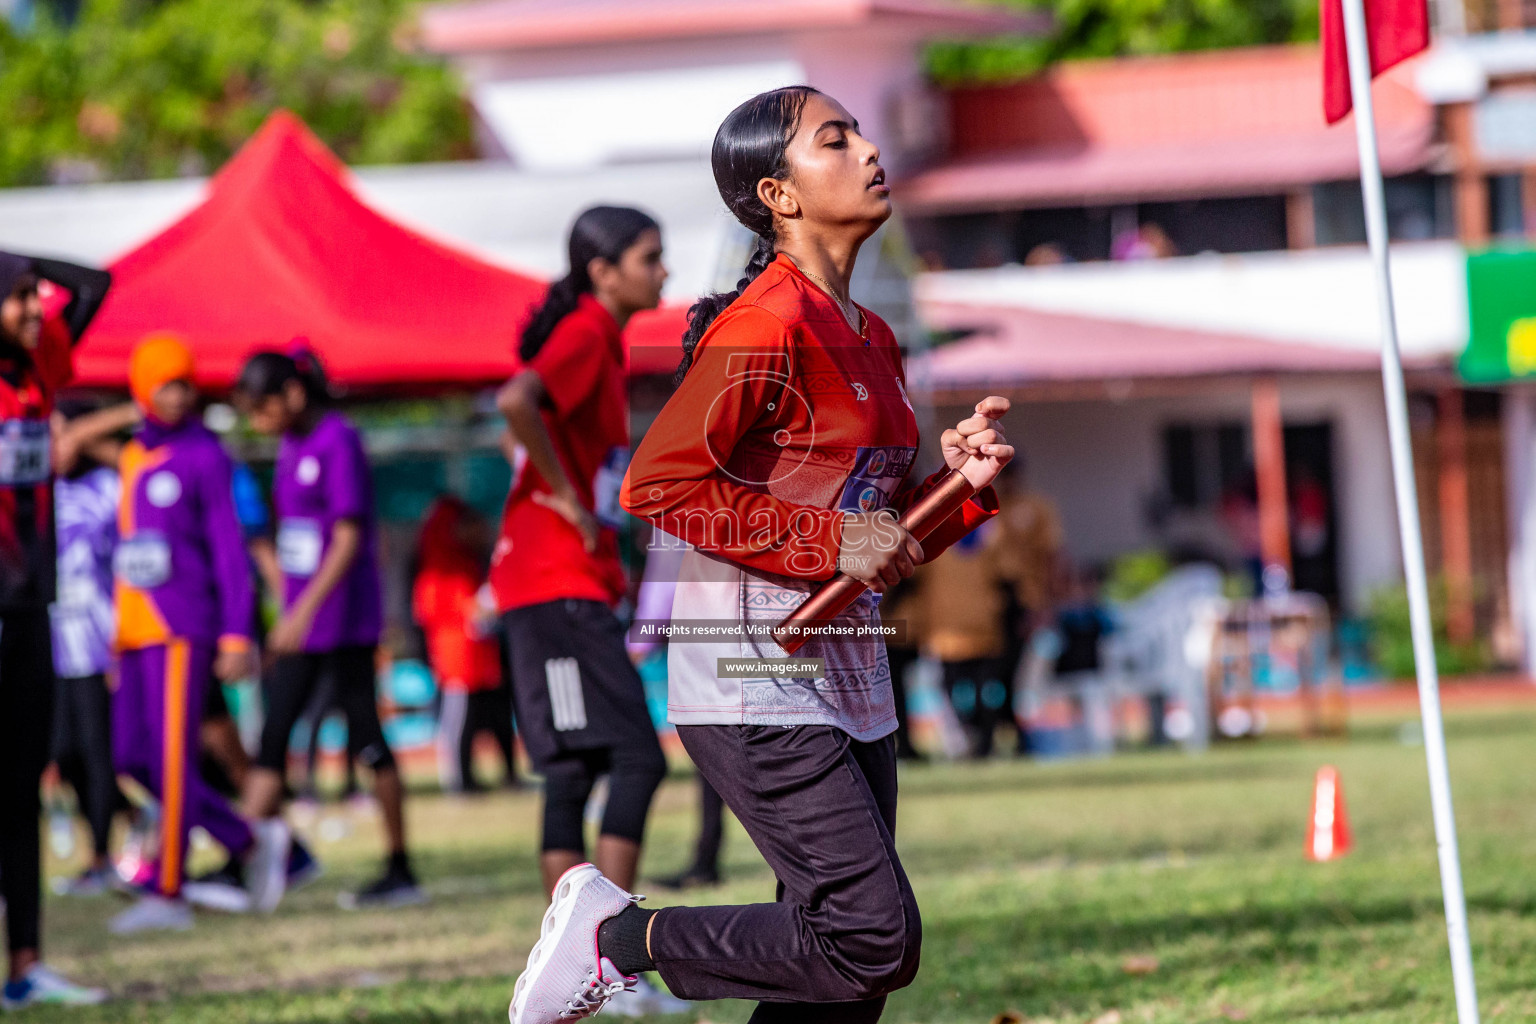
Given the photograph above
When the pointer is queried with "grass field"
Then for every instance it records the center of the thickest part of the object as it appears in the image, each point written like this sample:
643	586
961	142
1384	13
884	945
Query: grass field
1151	887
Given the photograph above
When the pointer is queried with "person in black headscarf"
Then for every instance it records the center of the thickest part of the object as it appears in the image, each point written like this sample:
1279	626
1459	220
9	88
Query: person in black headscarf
35	360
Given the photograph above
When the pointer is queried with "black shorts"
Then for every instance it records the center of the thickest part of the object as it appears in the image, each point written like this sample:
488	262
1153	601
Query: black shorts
215	705
572	681
289	686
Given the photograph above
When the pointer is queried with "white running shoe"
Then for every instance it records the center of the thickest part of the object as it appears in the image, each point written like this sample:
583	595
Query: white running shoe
153	914
566	978
221	890
645	1000
266	871
42	985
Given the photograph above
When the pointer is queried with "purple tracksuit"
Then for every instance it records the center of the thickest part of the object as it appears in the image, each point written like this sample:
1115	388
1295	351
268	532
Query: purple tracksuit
183	592
322	477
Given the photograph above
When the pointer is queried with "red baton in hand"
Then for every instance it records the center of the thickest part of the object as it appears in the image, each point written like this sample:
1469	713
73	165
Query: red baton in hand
833	597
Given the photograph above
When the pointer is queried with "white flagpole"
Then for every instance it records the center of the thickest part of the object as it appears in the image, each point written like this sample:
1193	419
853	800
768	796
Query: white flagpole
1408	517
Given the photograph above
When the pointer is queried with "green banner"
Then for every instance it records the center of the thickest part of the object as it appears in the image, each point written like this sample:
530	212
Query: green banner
1501	300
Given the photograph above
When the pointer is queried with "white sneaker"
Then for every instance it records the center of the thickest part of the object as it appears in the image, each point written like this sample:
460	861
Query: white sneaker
266	872
566	979
644	1000
221	891
153	914
42	985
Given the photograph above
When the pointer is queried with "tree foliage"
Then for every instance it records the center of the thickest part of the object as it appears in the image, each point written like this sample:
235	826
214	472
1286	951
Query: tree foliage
159	88
1118	28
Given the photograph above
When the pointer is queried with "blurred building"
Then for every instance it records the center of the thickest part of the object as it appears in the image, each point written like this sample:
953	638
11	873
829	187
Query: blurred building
1168	252
1222	151
580	83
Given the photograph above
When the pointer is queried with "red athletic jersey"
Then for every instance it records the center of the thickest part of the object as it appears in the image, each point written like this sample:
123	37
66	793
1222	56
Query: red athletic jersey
539	556
786	420
28	382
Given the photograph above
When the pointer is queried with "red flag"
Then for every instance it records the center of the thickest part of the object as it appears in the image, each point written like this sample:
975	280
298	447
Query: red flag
1398	29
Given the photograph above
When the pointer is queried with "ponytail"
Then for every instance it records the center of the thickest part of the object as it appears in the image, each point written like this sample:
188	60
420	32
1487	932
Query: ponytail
703	313
749	146
558	302
600	233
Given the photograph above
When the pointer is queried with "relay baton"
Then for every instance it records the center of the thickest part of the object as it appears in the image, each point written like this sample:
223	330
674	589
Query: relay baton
833	597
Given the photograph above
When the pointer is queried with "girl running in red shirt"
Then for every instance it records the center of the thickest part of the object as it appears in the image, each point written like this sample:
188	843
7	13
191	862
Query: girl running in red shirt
781	459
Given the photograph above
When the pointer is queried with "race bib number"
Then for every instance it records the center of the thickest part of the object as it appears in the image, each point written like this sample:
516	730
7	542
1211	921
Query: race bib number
24	453
606	483
143	562
299	544
78	593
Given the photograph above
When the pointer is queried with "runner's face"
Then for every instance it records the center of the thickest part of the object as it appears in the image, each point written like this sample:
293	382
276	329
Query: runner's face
21	314
835	177
634	282
173	402
268	415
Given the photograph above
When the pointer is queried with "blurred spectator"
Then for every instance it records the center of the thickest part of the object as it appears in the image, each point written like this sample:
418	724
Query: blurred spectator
83	619
1309	513
1147	242
1046	254
460	626
1082	620
900	604
1028	538
1027	546
1240	515
962	602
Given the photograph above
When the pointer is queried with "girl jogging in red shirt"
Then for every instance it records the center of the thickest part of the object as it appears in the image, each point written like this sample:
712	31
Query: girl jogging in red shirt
780	459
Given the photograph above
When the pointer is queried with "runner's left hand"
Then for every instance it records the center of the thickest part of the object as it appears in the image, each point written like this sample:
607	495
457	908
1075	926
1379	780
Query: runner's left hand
288	636
976	445
231	666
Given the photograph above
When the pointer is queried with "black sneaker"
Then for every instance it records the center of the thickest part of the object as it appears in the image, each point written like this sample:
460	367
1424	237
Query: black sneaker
303	868
222	890
397	888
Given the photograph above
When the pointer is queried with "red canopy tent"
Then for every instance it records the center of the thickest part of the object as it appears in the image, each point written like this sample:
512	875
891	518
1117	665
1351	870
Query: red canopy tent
282	248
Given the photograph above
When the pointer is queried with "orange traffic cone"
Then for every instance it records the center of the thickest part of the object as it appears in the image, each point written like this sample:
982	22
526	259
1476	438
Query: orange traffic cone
1328	830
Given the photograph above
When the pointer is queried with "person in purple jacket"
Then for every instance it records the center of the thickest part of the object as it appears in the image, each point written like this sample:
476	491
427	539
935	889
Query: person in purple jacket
322	492
85	500
184	600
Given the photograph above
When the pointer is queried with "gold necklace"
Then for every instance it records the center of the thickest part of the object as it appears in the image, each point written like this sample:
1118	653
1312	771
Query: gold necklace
856	326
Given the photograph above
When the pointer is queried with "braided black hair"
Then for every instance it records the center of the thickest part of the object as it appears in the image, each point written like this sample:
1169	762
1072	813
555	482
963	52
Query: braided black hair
749	146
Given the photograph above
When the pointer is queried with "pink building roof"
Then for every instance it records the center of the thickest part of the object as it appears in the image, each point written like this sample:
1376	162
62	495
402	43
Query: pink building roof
1018	347
532	24
1227	122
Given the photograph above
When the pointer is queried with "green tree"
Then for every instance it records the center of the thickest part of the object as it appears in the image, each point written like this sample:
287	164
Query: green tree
1117	28
147	89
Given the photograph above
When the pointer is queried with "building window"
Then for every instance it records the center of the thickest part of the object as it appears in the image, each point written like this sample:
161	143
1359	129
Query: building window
1506	206
1202	462
1087	233
1244	224
1419	207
